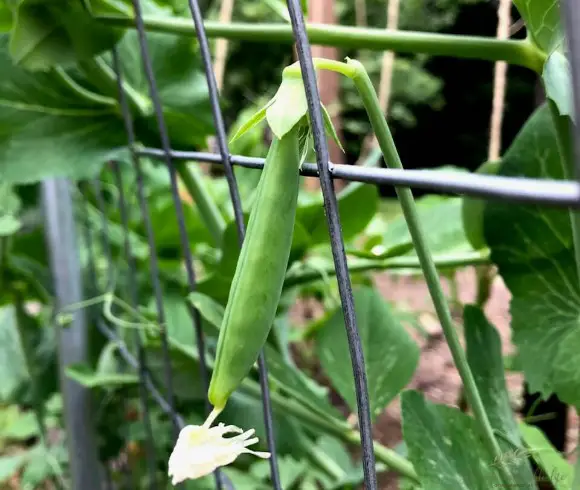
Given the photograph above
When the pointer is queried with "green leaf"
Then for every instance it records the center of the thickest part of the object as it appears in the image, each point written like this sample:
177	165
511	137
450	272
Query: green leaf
391	355
209	309
441	219
252	122
357	204
46	34
9	465
186	377
181	83
289	106
486	362
178	322
24	427
89	378
9	208
38	468
12	362
533	249
558	83
542	18
329	127
39	116
555	466
445	447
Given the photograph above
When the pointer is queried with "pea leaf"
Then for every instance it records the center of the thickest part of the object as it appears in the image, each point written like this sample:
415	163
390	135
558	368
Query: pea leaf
10	465
40	118
533	249
357	204
181	83
288	107
46	34
441	219
555	466
391	355
558	83
542	18
445	447
486	361
12	364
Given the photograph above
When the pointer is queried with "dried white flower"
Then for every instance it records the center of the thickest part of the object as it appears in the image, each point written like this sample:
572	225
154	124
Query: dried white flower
200	449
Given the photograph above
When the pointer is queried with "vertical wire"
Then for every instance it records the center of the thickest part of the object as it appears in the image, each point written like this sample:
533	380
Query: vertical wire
154	266
141	356
239	218
338	253
178	205
110	282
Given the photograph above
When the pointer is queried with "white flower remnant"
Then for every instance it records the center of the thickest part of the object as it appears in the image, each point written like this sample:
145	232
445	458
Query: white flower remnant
200	449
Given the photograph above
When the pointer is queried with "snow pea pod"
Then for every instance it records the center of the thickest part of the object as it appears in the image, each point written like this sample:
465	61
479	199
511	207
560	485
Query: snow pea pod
257	283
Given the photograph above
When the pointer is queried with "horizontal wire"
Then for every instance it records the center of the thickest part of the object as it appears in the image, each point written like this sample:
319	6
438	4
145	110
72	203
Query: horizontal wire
521	189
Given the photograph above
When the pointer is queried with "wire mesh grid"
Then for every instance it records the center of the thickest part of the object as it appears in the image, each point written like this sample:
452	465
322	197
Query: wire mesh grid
550	193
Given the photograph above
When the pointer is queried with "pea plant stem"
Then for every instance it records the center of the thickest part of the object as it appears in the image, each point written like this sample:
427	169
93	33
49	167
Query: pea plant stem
356	71
405	195
517	52
208	209
334	427
305	274
103	76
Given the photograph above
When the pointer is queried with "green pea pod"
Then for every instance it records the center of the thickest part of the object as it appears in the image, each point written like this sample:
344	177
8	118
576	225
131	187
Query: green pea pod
257	284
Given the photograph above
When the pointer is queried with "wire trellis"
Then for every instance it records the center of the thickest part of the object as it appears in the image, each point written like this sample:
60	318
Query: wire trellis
61	240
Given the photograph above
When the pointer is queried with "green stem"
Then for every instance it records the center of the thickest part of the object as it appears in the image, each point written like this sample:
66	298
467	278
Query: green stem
332	426
101	74
356	71
302	277
517	52
208	209
389	457
81	91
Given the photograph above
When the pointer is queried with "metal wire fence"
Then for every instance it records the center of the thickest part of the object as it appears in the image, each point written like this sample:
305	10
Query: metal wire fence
86	471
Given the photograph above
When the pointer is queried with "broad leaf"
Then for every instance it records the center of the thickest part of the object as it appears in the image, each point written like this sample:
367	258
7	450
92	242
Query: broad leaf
357	204
48	131
46	34
486	362
181	84
12	362
391	355
532	247
445	447
558	83
10	465
542	18
440	218
555	466
9	208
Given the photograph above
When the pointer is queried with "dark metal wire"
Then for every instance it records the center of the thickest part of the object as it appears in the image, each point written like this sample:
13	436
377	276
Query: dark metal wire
337	245
154	266
239	218
558	193
133	301
177	204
